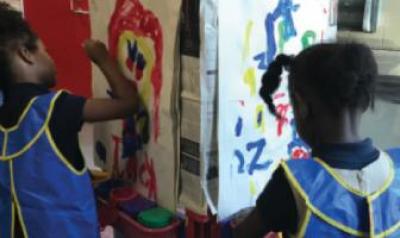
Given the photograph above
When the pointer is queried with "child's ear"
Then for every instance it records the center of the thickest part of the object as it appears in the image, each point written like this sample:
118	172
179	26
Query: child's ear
25	55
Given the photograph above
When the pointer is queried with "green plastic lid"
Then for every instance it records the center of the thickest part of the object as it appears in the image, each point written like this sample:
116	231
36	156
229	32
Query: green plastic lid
155	218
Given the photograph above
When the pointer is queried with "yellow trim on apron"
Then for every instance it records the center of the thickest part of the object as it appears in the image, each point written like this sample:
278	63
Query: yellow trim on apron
344	184
62	158
370	198
316	211
304	225
12	220
37	136
21	118
15	200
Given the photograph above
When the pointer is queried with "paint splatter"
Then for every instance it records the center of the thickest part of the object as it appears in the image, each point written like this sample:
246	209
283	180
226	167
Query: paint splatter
260	120
246	48
136	61
239	155
250	80
239	127
284	10
258	146
253	188
136	41
281	30
308	39
279	95
135	133
297	148
282	110
147	177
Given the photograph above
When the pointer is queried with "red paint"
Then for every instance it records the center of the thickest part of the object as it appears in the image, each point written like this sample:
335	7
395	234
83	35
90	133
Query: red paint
131	169
138	72
63	33
282	110
147	177
300	153
117	141
132	16
279	95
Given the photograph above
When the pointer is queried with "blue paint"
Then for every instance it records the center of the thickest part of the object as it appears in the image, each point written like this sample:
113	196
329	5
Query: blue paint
101	151
134	137
239	155
135	55
259	118
284	9
133	50
259	147
239	127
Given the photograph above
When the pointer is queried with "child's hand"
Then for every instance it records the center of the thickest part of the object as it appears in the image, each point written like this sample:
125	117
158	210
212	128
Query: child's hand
96	51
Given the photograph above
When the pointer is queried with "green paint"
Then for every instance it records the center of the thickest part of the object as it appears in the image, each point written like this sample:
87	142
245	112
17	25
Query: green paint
282	40
308	39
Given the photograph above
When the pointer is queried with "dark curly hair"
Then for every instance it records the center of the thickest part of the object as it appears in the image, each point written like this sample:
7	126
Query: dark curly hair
14	31
340	75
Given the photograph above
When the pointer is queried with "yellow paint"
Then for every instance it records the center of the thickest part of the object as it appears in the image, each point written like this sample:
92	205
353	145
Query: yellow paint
253	188
146	47
260	125
246	48
250	80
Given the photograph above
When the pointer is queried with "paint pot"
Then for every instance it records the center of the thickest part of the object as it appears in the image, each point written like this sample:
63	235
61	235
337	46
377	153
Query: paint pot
123	194
155	218
135	206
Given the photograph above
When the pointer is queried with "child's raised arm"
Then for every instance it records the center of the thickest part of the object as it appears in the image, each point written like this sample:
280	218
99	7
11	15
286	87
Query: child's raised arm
125	94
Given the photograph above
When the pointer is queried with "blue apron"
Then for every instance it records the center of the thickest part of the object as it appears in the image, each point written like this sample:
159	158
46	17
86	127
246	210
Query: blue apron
334	209
38	184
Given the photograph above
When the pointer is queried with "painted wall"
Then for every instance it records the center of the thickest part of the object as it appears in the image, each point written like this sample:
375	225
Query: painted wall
63	36
63	32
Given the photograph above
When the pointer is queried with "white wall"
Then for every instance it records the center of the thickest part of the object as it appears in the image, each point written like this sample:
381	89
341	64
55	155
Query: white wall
388	35
383	124
15	3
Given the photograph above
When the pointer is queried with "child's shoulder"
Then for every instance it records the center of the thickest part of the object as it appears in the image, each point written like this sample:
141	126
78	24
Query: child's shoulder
394	154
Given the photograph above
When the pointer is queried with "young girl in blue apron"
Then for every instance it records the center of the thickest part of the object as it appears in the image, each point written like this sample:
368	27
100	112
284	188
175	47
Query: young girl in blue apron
349	188
45	189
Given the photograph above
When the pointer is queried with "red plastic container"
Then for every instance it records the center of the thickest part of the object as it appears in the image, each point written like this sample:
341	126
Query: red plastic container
107	214
201	226
131	228
122	194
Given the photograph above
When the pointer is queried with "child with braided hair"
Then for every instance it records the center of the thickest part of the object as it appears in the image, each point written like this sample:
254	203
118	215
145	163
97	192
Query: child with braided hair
350	188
